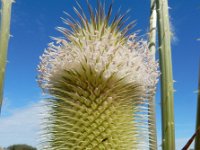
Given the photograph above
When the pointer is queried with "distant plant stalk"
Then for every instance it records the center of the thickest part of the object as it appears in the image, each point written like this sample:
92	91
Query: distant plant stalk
152	48
4	38
167	90
100	80
197	140
152	32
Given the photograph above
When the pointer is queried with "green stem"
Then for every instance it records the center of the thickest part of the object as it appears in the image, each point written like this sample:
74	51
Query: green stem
4	38
152	33
152	48
197	140
167	91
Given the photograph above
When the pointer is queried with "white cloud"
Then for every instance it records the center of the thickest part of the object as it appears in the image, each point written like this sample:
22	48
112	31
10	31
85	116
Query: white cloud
21	127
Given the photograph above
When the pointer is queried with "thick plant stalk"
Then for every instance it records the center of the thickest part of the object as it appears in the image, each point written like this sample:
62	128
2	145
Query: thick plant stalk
197	139
152	48
99	80
152	32
167	91
4	38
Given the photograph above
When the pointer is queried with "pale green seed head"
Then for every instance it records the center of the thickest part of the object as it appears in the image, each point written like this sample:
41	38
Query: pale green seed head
100	80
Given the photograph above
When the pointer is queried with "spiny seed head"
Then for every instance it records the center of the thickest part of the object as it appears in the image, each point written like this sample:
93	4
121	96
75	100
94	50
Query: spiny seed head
100	80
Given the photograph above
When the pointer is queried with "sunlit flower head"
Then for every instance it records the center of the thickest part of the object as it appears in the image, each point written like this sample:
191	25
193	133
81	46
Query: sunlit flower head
100	78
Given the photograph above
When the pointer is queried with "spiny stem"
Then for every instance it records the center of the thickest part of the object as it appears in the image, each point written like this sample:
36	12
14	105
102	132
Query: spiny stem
197	140
152	48
167	91
4	38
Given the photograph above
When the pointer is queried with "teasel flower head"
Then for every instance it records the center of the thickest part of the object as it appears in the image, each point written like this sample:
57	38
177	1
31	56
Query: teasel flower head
99	79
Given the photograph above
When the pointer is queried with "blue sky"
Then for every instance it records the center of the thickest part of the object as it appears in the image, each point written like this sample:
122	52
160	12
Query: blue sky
32	24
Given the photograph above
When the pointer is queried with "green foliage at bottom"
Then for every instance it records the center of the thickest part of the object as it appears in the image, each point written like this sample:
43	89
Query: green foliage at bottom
21	147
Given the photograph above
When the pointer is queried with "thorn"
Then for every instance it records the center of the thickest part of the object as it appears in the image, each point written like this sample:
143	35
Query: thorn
196	92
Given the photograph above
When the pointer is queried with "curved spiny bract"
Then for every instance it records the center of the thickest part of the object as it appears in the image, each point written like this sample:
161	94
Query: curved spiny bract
100	81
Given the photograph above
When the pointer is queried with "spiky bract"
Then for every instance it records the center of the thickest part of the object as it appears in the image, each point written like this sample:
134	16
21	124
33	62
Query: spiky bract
99	80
